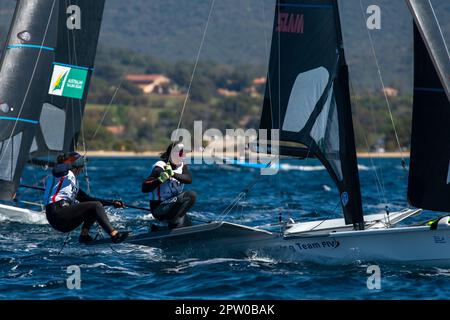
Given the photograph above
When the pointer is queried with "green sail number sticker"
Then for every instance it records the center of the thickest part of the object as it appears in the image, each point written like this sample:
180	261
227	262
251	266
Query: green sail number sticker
68	82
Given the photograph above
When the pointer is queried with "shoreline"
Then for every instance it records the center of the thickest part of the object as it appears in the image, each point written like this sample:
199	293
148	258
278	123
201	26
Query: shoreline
155	154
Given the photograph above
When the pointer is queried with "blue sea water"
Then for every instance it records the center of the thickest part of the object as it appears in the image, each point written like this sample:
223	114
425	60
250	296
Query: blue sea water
31	268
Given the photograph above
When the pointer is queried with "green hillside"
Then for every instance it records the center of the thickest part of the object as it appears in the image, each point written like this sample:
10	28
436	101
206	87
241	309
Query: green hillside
239	33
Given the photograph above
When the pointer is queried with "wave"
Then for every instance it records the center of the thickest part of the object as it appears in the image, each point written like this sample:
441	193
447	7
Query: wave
283	167
110	269
289	167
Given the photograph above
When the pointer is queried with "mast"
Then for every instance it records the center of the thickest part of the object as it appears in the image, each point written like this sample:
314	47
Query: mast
79	24
429	176
28	54
307	94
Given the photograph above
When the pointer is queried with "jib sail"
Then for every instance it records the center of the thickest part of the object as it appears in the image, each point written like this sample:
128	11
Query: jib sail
429	176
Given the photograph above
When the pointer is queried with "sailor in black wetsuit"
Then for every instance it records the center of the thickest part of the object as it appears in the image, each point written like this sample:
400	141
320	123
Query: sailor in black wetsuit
68	207
166	183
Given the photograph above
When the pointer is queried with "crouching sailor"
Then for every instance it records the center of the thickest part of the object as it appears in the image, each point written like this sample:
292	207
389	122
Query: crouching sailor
166	183
68	207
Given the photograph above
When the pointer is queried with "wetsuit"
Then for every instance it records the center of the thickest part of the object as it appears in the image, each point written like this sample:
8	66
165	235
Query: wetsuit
68	207
169	203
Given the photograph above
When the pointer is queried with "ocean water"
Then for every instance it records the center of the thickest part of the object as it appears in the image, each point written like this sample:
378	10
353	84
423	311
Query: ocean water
32	268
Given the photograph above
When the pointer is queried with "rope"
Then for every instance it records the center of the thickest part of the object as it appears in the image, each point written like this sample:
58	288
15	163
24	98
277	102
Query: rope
388	103
110	103
65	243
240	196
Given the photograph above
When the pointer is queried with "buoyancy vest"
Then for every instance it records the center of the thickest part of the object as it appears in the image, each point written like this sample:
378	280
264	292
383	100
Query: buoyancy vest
169	189
61	185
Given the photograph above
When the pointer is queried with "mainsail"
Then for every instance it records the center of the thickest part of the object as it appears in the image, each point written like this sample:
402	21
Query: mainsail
429	177
307	96
79	23
24	79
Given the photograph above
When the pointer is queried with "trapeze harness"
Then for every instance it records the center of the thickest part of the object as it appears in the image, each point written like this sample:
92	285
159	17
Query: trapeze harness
67	207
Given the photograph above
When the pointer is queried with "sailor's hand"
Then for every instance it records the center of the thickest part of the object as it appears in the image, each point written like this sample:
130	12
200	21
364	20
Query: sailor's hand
163	177
169	170
118	204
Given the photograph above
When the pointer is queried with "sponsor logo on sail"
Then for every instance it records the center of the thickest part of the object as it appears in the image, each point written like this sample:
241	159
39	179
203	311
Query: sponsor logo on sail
68	82
345	198
291	23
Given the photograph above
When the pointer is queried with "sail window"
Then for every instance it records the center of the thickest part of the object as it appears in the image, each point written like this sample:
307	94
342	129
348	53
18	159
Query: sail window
306	93
320	126
53	123
332	146
9	153
325	133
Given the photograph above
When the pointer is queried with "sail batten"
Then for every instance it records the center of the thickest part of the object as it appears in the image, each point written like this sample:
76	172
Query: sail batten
307	97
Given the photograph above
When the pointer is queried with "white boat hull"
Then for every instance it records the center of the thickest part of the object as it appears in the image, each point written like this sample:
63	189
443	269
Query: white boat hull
332	242
415	245
15	214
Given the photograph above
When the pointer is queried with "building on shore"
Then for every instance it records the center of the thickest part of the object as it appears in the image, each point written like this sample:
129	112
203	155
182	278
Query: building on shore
150	83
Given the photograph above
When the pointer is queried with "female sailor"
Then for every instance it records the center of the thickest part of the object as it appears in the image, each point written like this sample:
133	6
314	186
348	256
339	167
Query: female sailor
166	183
68	207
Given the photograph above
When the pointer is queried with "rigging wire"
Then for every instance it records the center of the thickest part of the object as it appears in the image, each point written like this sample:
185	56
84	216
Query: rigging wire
197	60
388	103
116	91
379	180
247	190
440	29
269	84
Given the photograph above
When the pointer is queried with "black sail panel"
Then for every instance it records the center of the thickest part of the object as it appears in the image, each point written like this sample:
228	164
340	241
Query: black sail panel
429	175
79	24
307	94
24	75
432	36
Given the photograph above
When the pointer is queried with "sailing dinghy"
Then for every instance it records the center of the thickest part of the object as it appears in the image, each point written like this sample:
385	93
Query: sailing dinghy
42	102
308	100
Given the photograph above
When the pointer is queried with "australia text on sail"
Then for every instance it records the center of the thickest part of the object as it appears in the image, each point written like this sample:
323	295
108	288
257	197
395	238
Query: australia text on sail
291	23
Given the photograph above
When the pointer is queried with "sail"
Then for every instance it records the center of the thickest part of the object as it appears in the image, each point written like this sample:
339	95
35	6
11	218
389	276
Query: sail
79	23
431	33
307	94
429	175
27	57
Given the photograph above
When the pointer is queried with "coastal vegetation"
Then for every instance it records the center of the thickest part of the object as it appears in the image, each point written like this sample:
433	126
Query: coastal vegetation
222	96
